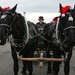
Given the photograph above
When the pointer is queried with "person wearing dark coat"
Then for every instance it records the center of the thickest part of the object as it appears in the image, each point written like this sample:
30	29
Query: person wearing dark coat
40	25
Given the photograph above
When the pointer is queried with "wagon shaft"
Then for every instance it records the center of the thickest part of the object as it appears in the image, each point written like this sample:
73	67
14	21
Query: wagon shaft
43	59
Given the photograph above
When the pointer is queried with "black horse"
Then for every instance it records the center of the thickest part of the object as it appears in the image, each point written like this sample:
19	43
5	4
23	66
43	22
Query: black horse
22	37
61	40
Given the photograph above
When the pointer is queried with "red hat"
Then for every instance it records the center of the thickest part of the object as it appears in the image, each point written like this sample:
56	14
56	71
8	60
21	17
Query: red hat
65	9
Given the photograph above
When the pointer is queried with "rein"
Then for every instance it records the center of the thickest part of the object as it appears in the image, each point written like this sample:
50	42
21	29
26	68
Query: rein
37	34
12	42
5	25
69	28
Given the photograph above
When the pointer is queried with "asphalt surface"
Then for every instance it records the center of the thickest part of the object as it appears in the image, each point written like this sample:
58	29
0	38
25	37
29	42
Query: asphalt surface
6	63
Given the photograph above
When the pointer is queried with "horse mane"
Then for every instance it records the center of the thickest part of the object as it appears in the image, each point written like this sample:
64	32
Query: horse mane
32	25
18	25
22	20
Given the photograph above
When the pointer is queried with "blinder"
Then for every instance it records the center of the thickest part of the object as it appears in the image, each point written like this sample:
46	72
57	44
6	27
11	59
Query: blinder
70	19
69	25
9	27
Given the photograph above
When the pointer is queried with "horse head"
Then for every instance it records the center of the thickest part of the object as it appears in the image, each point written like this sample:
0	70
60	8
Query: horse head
6	20
67	25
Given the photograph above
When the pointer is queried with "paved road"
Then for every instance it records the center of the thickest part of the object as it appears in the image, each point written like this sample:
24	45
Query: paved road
6	63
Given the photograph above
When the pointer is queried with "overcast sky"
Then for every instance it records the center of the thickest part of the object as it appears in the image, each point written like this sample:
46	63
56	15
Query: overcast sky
35	8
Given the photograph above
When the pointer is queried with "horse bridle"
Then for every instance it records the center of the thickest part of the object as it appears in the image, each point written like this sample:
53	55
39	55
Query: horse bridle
70	19
9	27
70	27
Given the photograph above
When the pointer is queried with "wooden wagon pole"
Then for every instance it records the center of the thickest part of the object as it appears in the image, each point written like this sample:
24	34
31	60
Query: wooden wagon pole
43	59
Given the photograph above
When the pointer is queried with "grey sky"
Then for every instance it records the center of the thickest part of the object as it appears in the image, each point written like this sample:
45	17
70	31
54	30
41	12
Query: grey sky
36	5
34	8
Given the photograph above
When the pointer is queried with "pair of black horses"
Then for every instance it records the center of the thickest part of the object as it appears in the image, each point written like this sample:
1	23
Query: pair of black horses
60	38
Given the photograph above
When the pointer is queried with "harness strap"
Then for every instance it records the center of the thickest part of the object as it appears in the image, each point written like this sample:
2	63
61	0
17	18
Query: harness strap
69	27
43	37
57	24
62	49
26	28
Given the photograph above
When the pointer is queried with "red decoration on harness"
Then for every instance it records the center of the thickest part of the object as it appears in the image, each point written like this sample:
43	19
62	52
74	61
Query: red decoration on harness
6	8
65	9
55	19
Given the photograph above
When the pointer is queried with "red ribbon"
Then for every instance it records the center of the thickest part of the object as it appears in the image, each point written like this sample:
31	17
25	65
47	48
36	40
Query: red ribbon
55	19
6	8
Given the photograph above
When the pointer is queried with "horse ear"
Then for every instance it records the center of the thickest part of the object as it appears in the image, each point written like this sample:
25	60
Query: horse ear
0	9
60	8
14	8
74	6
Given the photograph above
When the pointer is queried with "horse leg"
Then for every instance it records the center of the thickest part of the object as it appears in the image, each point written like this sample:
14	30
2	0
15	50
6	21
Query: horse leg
49	68
56	67
67	64
30	67
49	63
24	68
29	63
24	64
15	59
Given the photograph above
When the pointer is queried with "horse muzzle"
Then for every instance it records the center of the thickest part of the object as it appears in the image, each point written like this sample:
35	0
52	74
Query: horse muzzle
4	31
